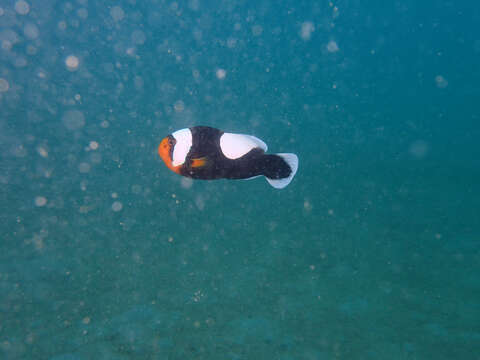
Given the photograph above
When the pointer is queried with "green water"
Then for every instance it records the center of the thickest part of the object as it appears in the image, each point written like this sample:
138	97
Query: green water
372	252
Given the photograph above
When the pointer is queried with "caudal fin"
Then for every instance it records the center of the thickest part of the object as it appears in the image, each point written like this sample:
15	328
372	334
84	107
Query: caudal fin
281	171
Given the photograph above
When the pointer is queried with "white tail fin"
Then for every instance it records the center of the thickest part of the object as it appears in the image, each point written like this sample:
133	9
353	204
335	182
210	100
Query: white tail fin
292	161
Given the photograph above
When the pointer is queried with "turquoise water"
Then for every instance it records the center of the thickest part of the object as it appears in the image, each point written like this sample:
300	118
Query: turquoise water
372	252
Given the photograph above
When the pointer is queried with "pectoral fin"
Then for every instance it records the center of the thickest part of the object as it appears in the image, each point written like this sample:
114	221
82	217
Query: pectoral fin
199	162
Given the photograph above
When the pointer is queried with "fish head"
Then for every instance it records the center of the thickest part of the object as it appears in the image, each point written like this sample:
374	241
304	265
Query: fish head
165	150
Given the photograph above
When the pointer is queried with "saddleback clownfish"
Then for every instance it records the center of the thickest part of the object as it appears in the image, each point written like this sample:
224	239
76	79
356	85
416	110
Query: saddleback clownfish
202	152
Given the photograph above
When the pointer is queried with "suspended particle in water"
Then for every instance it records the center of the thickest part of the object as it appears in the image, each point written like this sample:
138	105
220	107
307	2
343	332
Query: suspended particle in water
221	73
62	25
138	83
194	5
20	62
42	151
30	30
332	46
93	145
186	183
117	13
72	62
31	50
257	30
441	82
231	42
138	37
136	189
418	149
4	86
307	30
73	119
82	13
40	201
200	202
179	106
117	206
22	7
95	158
307	205
84	167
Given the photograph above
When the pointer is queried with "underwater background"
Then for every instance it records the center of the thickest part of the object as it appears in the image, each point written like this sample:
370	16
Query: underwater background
372	252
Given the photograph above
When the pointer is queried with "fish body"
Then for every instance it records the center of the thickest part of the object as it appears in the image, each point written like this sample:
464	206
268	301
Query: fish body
206	153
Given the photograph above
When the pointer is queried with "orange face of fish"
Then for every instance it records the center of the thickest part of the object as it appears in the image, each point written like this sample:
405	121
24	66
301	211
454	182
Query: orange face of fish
165	151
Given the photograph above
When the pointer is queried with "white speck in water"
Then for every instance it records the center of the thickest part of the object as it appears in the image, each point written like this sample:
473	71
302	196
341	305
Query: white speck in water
22	7
194	5
441	82
31	31
200	202
138	83
84	167
114	195
72	62
4	86
93	145
117	206
19	151
231	42
95	158
31	50
40	201
332	46
117	13
20	62
82	13
138	37
221	73
307	30
62	25
42	151
186	183
136	189
307	205
257	30
179	106
73	119
418	149
6	45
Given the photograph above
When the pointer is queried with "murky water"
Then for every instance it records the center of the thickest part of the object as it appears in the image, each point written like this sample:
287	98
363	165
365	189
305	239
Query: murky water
372	252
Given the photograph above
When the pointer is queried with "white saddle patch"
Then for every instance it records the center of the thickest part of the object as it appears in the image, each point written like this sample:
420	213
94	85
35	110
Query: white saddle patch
234	146
182	146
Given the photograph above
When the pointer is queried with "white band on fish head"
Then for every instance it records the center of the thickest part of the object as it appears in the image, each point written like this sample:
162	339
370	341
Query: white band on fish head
182	146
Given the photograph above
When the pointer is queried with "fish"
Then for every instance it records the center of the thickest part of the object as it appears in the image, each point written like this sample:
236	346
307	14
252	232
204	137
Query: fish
207	153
